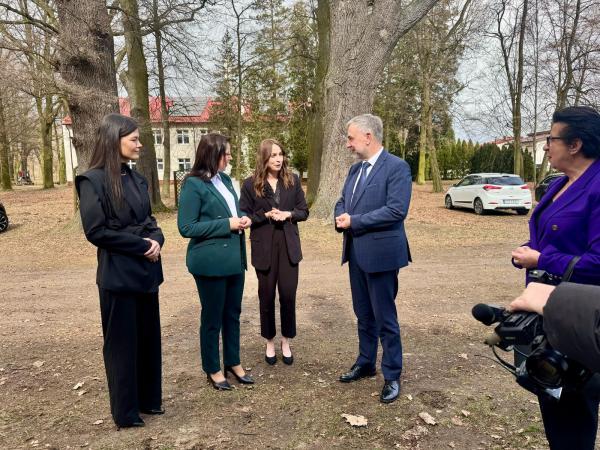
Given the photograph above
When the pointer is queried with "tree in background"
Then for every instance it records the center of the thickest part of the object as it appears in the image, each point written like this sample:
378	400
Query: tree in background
135	80
301	68
362	36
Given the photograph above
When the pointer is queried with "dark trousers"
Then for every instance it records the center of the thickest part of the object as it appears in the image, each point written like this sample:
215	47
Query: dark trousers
283	276
221	300
572	422
132	354
373	299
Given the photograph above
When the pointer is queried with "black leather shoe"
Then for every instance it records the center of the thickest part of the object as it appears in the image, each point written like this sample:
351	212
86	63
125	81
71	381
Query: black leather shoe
289	360
153	411
220	386
271	360
246	379
390	391
135	424
357	372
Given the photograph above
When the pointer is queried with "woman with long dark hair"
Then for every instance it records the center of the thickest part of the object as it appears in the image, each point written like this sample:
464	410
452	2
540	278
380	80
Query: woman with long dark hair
117	218
273	198
209	214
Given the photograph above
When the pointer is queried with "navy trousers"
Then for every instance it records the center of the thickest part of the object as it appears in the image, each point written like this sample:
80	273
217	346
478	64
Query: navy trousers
373	299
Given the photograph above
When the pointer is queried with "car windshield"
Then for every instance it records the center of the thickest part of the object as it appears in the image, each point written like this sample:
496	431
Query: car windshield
505	181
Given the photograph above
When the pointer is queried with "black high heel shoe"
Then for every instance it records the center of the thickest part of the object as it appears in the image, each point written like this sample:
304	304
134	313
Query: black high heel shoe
246	379
219	386
289	360
271	360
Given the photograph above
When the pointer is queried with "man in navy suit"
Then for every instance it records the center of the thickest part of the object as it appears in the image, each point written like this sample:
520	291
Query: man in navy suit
371	213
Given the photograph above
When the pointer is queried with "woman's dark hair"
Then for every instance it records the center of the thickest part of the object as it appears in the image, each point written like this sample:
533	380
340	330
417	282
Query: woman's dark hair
583	123
262	167
107	151
211	149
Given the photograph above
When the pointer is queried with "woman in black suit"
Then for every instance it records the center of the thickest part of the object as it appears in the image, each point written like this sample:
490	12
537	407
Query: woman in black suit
274	200
117	218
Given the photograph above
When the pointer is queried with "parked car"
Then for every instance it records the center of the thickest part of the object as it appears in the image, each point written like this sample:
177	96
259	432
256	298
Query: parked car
3	218
542	187
488	191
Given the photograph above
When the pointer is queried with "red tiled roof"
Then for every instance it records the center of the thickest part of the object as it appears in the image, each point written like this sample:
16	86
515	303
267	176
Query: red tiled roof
154	103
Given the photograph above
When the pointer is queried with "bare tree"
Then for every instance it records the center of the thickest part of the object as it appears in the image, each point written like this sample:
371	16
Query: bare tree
362	35
87	67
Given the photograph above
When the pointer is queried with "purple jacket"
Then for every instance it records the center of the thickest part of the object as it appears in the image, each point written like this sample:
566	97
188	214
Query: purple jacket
570	226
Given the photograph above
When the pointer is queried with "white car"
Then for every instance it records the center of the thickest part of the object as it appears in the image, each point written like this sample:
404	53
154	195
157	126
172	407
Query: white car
486	191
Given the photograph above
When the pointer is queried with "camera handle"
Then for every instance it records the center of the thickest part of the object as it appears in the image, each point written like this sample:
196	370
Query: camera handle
570	268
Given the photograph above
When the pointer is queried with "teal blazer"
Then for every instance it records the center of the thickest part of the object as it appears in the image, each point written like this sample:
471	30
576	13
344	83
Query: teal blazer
203	216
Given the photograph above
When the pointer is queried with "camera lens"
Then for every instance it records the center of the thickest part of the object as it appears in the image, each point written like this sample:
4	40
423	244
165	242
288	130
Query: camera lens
547	368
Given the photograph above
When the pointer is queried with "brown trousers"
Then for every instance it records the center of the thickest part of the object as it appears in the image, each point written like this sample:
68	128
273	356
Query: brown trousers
283	276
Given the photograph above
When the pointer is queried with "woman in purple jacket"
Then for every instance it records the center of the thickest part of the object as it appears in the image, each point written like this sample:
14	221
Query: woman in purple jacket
565	225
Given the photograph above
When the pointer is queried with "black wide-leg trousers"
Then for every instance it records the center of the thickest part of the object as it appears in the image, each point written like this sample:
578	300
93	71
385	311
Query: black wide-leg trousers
132	352
282	277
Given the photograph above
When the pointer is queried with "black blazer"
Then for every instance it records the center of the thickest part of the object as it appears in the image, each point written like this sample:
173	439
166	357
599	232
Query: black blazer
571	322
119	233
261	231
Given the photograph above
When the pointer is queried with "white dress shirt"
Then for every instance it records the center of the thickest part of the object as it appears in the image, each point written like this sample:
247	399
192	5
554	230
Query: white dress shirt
226	193
372	160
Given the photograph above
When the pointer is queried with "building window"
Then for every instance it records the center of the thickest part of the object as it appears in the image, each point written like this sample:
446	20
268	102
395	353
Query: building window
158	136
159	164
183	136
203	131
184	164
132	164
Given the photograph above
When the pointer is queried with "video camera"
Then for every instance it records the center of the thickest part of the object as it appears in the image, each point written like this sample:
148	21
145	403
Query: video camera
544	371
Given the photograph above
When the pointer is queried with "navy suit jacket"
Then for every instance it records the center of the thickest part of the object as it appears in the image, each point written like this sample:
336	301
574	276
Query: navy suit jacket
377	214
570	226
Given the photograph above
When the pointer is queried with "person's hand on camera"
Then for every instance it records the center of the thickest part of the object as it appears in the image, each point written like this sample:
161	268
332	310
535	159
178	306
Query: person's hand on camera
154	251
526	257
532	299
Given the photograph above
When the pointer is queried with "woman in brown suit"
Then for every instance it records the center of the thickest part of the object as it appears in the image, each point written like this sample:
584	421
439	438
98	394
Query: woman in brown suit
273	198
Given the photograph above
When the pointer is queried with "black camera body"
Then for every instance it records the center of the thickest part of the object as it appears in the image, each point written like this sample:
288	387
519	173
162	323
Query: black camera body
543	370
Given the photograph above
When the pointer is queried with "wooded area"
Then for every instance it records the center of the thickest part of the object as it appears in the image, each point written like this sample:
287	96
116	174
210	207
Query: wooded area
446	76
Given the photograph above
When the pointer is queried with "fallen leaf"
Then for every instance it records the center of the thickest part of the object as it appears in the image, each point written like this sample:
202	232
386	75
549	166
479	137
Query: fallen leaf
409	397
427	418
451	444
38	364
78	385
81	392
463	356
456	421
355	421
465	412
98	422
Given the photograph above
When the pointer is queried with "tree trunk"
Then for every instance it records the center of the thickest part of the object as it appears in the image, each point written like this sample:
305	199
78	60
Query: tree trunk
87	68
4	163
164	111
435	168
362	37
315	151
424	128
137	88
60	148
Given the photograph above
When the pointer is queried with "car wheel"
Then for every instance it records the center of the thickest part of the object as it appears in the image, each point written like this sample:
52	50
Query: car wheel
448	202
478	207
522	211
3	222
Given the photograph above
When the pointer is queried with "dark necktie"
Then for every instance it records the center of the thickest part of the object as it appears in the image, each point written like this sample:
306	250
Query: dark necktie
362	178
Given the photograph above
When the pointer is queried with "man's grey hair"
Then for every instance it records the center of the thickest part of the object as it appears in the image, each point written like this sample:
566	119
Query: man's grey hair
368	123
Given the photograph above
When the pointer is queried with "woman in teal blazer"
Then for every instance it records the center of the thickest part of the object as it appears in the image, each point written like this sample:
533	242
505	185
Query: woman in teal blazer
209	215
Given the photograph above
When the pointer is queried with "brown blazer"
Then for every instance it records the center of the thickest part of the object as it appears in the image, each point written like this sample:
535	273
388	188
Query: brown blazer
261	231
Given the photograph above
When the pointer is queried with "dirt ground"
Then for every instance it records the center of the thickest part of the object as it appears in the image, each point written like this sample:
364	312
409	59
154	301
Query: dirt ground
52	384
